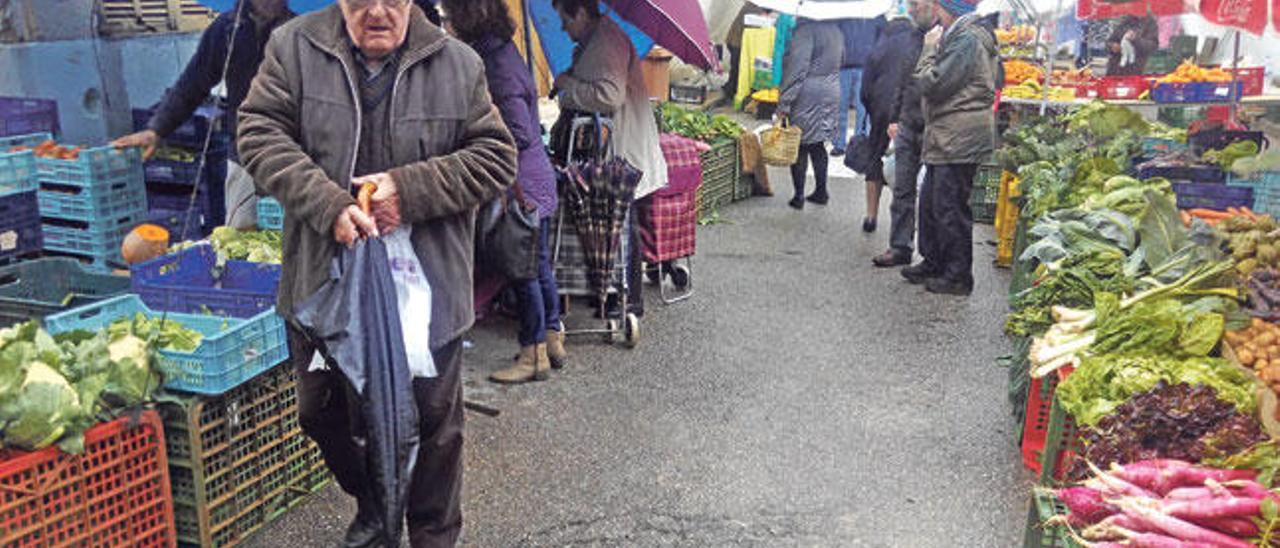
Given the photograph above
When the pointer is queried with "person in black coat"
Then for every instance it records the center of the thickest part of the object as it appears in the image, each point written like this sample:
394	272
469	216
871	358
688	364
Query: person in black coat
893	100
887	72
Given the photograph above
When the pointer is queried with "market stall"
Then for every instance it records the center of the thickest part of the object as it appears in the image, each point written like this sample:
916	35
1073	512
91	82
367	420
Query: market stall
1143	259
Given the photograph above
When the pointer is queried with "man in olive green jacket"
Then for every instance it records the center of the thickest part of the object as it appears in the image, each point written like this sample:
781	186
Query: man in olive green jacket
370	91
956	74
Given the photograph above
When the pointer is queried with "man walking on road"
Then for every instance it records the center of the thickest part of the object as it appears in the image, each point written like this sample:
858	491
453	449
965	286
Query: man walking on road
892	66
957	75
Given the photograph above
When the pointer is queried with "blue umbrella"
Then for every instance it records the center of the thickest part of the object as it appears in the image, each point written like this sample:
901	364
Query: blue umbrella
556	44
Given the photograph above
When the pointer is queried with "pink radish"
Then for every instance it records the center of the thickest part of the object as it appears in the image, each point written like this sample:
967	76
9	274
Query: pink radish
1086	503
1236	527
1251	489
1113	528
1155	540
1234	507
1148	512
1188	493
1114	485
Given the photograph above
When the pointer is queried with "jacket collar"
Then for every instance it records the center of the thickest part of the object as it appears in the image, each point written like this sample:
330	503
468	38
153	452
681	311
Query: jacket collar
327	30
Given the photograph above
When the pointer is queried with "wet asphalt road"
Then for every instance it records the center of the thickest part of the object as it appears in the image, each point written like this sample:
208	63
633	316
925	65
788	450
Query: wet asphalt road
801	398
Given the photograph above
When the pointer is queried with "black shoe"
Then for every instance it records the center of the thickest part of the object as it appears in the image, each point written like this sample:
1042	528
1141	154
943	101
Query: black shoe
892	258
796	203
868	225
837	152
820	199
365	530
920	273
944	286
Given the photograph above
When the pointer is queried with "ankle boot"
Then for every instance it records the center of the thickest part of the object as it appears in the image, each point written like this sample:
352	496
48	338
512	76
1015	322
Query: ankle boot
526	369
543	364
556	353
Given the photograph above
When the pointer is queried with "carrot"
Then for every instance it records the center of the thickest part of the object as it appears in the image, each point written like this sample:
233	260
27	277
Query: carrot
1209	213
1186	218
1249	213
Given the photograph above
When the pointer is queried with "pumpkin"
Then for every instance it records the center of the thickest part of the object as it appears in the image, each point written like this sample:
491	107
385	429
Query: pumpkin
144	242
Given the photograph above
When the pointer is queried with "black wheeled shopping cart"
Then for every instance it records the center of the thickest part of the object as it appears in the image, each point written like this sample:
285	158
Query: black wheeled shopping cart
590	242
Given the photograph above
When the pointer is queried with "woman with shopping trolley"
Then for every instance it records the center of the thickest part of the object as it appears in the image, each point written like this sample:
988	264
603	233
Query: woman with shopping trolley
606	79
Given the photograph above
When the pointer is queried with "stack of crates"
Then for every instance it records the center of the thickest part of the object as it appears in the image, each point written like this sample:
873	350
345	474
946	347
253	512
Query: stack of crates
175	172
21	235
239	460
88	204
237	457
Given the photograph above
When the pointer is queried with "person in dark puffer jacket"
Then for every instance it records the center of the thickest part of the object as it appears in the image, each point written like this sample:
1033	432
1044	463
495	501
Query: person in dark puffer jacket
487	28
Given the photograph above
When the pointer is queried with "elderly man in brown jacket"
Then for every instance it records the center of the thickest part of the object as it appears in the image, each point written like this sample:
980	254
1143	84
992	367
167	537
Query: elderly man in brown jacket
370	91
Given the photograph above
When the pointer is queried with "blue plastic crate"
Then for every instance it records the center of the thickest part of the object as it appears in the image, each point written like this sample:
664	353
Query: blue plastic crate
233	351
173	220
1192	174
1154	146
1212	196
20	115
26	140
188	173
17	172
1215	92
20	230
99	242
1166	92
192	132
191	281
270	214
93	167
108	199
1266	191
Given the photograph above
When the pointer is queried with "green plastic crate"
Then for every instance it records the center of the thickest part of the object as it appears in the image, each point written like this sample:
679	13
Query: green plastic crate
986	193
34	289
1043	507
720	172
1023	271
239	460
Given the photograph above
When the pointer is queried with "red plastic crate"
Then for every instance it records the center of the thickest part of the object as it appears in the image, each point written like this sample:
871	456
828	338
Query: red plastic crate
1123	87
1089	90
1036	421
1252	79
115	494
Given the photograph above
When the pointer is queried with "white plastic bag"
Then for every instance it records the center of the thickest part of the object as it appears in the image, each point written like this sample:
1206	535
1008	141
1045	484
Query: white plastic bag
414	297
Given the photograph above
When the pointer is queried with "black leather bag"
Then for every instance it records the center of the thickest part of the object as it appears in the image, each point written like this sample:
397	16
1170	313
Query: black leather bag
507	237
857	155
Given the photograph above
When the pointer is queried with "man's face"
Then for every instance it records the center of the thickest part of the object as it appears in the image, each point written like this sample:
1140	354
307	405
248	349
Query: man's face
377	27
921	12
576	25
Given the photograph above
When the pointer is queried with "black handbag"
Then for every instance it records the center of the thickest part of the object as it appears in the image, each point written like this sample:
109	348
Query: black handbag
507	237
857	154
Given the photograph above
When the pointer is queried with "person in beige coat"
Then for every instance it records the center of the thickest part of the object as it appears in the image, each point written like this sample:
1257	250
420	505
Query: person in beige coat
606	78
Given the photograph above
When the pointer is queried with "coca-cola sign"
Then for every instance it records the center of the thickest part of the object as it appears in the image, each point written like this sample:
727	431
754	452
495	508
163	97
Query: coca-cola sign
1248	15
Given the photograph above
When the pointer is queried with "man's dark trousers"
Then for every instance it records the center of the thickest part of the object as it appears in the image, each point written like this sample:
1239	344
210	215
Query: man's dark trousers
434	511
946	221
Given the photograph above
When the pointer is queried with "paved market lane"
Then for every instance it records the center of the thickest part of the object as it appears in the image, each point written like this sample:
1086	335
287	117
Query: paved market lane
802	398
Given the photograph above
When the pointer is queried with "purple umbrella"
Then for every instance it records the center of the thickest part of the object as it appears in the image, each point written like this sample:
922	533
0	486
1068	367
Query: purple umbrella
677	25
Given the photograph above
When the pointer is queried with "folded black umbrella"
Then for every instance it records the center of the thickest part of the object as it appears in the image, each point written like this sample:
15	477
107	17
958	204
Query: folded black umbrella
355	322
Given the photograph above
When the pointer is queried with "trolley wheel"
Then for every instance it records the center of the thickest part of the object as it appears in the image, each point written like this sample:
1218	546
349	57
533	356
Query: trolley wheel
680	276
653	274
615	329
631	331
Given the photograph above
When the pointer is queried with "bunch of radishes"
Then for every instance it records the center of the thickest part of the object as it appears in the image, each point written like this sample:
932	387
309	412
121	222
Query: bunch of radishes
1165	504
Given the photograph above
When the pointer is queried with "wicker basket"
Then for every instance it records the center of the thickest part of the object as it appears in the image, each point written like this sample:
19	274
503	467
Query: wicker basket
780	144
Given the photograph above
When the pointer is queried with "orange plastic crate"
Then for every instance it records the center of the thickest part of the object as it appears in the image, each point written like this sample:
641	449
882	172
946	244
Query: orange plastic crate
115	494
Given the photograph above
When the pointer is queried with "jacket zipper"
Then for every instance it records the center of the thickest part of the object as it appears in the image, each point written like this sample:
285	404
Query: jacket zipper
405	66
355	145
